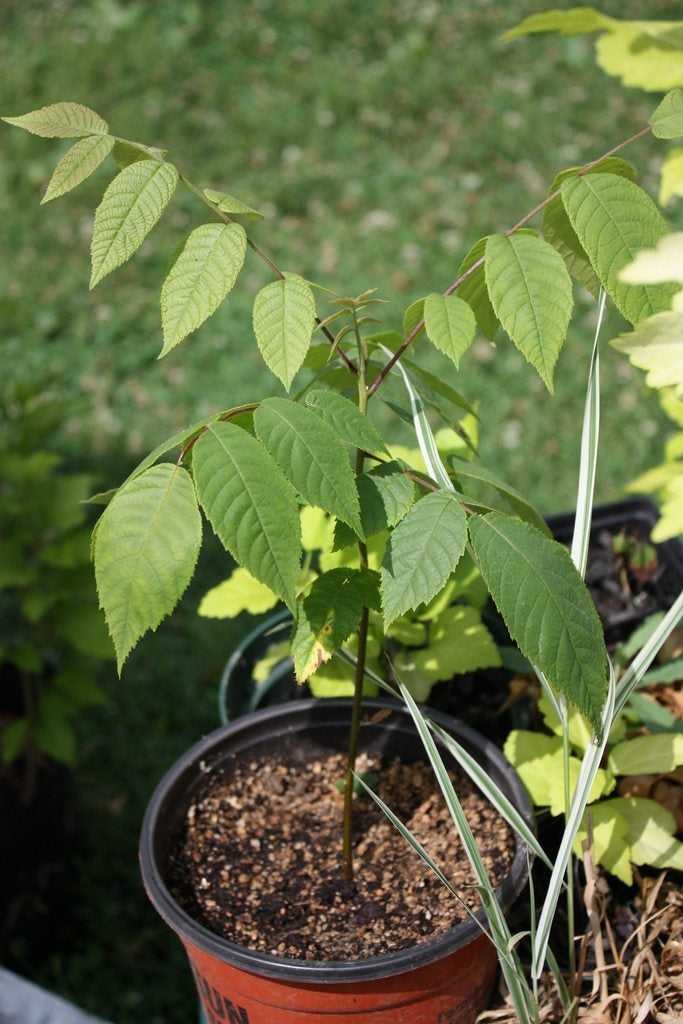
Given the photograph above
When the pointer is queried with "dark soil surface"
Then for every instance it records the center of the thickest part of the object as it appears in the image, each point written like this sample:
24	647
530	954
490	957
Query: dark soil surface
259	859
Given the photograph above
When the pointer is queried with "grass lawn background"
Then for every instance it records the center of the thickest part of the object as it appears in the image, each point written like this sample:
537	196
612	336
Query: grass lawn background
382	140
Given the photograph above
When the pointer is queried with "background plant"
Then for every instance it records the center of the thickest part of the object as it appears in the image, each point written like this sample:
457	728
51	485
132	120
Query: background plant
52	630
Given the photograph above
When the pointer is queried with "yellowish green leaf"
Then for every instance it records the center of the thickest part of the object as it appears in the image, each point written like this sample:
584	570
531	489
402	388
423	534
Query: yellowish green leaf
239	593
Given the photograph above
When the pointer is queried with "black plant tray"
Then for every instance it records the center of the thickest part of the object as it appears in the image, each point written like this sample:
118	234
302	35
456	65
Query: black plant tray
637	517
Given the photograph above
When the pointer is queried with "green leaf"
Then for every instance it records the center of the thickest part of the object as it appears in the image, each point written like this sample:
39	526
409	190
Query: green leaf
557	228
52	732
450	324
651	832
346	420
61	121
229	204
200	279
239	593
459	642
335	678
413	315
475	471
538	761
667	120
639	53
531	293
656	345
131	206
275	654
671	184
572	22
77	164
647	755
284	318
329	614
662	263
386	495
251	506
146	547
317	529
423	551
14	736
613	218
312	458
609	837
474	292
546	607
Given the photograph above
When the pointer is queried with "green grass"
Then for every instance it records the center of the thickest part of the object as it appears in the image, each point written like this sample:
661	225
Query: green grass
382	140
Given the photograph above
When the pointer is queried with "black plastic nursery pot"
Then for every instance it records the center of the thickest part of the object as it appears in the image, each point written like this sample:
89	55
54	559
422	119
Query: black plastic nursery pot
637	517
443	980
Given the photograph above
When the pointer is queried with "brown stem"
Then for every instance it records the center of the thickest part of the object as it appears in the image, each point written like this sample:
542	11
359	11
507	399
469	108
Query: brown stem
359	678
419	327
356	712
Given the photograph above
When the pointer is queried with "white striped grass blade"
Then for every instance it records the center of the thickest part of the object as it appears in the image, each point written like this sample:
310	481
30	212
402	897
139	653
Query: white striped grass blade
641	663
559	706
491	791
438	472
558	978
423	431
460	821
589	452
514	975
419	849
500	934
589	767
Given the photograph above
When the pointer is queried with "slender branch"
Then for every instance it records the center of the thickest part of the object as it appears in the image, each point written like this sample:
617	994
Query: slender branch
359	678
419	327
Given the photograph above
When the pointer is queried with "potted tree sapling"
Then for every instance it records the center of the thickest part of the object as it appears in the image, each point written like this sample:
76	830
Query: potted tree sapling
269	847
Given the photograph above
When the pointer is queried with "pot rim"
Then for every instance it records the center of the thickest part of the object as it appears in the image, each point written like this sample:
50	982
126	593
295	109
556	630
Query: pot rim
329	971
